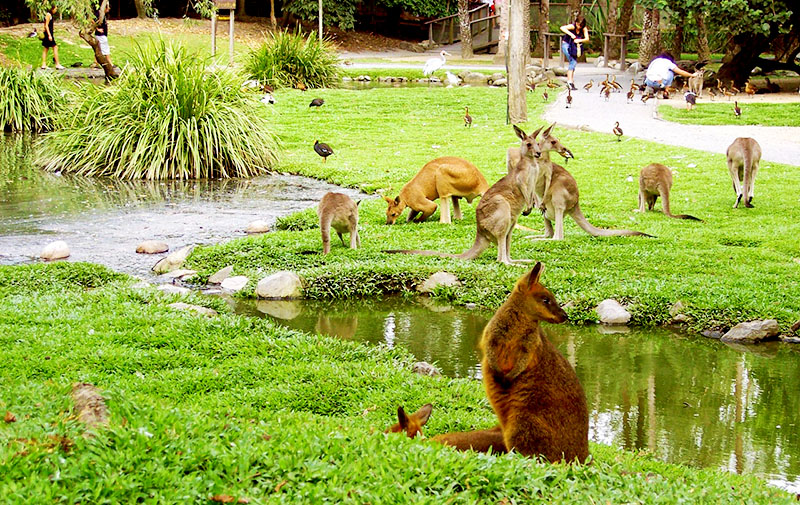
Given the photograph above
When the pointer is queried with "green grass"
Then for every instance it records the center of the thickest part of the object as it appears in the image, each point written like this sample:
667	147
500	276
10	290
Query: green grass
762	114
30	101
237	406
738	265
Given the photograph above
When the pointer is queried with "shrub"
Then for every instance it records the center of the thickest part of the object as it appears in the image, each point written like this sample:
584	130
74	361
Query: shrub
286	59
166	117
30	100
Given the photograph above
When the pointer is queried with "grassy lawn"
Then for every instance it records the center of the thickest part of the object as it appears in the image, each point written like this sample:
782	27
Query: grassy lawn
762	114
738	265
237	406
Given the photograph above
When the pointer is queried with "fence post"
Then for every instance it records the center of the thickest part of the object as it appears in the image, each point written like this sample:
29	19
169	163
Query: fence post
430	34
605	48
623	52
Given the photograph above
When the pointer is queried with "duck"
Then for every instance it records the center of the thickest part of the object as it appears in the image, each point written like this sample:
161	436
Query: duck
569	98
614	84
604	83
629	96
467	118
434	64
301	86
33	33
532	86
617	131
317	102
691	99
734	89
545	95
712	92
607	92
737	111
323	150
267	99
552	85
588	85
772	87
749	88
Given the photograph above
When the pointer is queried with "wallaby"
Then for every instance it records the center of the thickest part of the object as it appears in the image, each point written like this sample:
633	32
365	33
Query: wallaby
500	207
339	211
744	156
695	83
532	388
560	196
656	180
412	424
443	178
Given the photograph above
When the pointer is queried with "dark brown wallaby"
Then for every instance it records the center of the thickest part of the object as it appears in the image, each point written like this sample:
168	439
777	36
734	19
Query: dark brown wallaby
744	156
656	180
339	211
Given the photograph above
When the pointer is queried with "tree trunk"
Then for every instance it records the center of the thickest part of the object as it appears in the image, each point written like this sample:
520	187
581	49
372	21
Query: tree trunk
517	99
141	9
108	69
527	37
464	29
623	24
650	44
741	58
573	8
241	14
611	27
272	19
501	8
677	36
544	24
703	51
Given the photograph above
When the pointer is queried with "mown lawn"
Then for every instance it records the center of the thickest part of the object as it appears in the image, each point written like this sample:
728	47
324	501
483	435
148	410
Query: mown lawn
738	265
762	114
235	406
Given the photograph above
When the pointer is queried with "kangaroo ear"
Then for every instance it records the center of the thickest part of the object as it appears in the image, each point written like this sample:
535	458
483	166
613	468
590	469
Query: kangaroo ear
549	130
519	132
397	200
358	202
388	200
402	418
423	414
536	133
536	273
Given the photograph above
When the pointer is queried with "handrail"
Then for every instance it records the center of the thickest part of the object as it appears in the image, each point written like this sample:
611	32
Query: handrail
455	15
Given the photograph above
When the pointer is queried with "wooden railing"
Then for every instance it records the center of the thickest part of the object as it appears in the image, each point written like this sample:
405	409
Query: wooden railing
446	30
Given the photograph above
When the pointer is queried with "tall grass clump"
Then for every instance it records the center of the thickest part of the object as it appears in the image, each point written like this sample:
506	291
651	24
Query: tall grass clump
286	59
166	117
29	100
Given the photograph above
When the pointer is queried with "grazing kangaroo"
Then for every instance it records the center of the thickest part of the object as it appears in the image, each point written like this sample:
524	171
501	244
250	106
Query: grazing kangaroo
744	155
443	178
560	195
500	207
656	180
532	388
339	211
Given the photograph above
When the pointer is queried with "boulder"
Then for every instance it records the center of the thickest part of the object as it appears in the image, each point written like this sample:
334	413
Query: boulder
347	79
560	71
283	284
193	308
425	368
496	76
171	289
236	283
434	79
549	74
221	275
500	82
55	251
676	311
611	312
258	226
438	279
173	261
791	340
152	247
474	78
752	332
796	326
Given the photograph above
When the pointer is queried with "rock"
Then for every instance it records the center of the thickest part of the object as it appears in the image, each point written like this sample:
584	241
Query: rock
676	311
194	308
282	309
796	326
438	279
611	312
55	251
221	275
385	79
347	79
680	319
173	261
560	71
236	283
257	226
496	76
179	274
549	74
283	284
364	78
424	368
712	334
500	82
423	80
402	79
634	69
171	289
791	340
756	71
410	46
474	78
471	306
752	332
152	247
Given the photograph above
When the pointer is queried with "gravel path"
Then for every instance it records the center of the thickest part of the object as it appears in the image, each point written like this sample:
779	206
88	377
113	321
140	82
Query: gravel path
591	112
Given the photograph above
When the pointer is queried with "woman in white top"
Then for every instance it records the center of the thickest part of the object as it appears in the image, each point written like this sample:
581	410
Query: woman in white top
661	72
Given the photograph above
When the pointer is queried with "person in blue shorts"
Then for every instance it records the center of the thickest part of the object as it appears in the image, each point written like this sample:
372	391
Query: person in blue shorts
575	34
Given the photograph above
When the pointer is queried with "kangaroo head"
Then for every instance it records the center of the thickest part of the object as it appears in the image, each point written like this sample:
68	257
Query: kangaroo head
396	208
550	143
411	424
528	145
537	299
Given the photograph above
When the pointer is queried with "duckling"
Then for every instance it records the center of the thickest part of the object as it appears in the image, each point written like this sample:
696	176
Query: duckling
749	89
736	110
712	93
552	85
734	89
545	95
532	86
588	85
617	131
615	86
317	102
569	98
604	83
691	99
301	86
467	118
323	150
727	93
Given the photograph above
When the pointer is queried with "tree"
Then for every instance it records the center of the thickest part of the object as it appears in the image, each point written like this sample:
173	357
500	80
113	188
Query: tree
650	44
517	40
703	51
272	19
501	7
465	29
141	8
623	24
544	25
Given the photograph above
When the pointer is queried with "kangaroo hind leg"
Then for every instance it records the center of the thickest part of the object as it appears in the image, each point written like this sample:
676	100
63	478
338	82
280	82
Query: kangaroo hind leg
456	208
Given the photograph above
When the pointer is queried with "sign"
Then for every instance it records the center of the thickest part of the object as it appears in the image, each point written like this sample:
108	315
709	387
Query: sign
225	4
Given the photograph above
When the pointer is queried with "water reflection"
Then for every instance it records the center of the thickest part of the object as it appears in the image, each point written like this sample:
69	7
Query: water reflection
685	399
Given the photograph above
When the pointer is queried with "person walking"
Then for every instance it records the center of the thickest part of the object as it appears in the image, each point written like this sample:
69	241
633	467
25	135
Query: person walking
49	40
101	34
575	34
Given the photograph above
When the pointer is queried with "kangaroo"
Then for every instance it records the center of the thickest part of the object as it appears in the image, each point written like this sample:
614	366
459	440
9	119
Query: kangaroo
532	388
443	178
744	155
500	207
695	83
560	196
656	180
339	211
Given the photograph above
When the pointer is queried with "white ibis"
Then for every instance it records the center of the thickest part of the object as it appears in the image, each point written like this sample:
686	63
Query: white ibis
434	64
452	79
323	150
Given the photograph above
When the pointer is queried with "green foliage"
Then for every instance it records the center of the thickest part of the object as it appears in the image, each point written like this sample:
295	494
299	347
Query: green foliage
303	220
30	100
764	114
167	117
59	276
287	58
339	13
762	17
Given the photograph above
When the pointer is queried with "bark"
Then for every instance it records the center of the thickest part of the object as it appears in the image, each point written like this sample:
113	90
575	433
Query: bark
703	51
501	8
611	26
517	99
678	35
544	23
741	57
141	9
573	8
102	59
623	24
464	29
650	44
527	37
272	19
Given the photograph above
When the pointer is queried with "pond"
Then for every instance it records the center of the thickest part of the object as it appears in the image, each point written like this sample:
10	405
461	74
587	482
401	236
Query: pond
103	220
683	398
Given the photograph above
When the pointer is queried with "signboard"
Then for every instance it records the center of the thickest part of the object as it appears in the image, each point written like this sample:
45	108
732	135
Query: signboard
225	4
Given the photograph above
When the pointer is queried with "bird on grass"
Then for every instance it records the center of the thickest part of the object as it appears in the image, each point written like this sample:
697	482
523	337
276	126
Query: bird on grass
434	64
588	85
267	99
737	111
33	33
301	86
552	85
532	86
545	95
317	102
323	150
569	98
467	118
617	131
691	99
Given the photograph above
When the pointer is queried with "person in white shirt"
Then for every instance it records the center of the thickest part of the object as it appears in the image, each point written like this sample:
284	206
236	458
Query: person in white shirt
661	72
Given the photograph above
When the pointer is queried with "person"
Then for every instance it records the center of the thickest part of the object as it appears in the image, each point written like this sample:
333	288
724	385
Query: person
49	40
661	72
101	34
575	34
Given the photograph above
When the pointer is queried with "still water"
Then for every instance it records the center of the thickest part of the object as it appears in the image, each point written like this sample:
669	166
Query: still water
683	398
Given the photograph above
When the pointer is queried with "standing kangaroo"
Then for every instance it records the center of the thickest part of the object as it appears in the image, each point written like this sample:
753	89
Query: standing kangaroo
656	180
744	156
559	196
500	207
532	388
339	211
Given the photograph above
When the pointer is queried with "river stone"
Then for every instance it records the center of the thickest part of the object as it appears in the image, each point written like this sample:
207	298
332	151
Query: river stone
752	332
500	82
179	274
438	279
611	312
221	275
152	247
474	78
55	251
173	261
712	334
194	308
497	76
236	283
791	340
676	311
549	74
796	326
283	284
258	226
425	368
171	289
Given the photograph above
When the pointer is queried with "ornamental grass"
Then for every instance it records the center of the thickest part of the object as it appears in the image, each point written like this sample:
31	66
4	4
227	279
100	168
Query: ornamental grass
29	100
288	59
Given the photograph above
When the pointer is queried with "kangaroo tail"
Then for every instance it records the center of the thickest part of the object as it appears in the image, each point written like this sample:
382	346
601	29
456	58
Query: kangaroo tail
480	245
665	203
579	218
686	216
